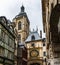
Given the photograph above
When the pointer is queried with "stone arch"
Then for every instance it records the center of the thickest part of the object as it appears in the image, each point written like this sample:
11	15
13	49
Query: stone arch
54	21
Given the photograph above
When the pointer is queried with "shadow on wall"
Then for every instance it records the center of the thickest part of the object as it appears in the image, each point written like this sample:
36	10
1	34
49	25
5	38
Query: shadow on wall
55	24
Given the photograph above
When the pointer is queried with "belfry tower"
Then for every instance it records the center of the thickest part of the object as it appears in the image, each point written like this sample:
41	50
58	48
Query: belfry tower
22	25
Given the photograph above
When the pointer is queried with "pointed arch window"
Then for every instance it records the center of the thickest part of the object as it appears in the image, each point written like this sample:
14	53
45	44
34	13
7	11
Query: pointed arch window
33	37
19	25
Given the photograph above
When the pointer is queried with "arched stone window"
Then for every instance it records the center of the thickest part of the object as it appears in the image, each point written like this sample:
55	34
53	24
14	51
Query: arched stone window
32	37
19	25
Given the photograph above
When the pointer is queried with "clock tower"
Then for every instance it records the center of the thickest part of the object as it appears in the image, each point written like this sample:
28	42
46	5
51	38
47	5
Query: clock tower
35	48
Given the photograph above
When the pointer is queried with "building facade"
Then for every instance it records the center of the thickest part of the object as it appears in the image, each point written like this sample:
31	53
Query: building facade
51	22
36	49
7	42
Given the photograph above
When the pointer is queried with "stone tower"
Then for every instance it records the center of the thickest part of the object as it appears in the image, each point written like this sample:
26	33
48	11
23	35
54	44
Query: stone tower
22	25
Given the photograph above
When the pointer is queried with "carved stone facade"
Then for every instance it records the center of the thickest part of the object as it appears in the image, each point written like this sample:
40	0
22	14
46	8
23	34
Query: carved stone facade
51	22
7	42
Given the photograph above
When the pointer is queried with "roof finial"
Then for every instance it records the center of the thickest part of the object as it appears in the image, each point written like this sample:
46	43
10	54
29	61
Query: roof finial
22	8
36	28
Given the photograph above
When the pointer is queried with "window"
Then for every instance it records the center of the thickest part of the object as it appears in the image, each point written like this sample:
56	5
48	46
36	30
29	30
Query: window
33	37
10	54
6	38
44	53
1	51
43	44
6	53
9	42
13	43
3	35
19	25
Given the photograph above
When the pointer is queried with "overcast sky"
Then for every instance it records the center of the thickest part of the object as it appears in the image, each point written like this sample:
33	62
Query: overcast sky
10	8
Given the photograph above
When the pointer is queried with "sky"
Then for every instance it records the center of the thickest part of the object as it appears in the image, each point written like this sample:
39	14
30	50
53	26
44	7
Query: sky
11	8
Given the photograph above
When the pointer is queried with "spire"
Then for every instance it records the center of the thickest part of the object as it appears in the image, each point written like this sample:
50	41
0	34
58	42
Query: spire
22	8
36	28
40	33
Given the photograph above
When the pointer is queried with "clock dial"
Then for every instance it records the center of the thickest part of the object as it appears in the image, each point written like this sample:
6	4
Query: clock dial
34	53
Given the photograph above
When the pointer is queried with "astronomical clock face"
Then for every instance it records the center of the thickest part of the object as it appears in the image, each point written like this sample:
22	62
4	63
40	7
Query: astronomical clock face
34	53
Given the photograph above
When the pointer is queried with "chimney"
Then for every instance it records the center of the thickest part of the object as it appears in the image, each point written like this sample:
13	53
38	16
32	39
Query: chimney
40	33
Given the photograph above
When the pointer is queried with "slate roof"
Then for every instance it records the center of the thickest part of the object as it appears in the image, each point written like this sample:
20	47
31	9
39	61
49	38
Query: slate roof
21	14
35	34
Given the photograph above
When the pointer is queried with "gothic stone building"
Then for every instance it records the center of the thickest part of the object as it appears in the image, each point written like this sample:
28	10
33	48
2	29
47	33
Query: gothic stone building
7	42
51	22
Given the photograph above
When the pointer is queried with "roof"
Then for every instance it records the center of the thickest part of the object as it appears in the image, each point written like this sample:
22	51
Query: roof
35	34
21	14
